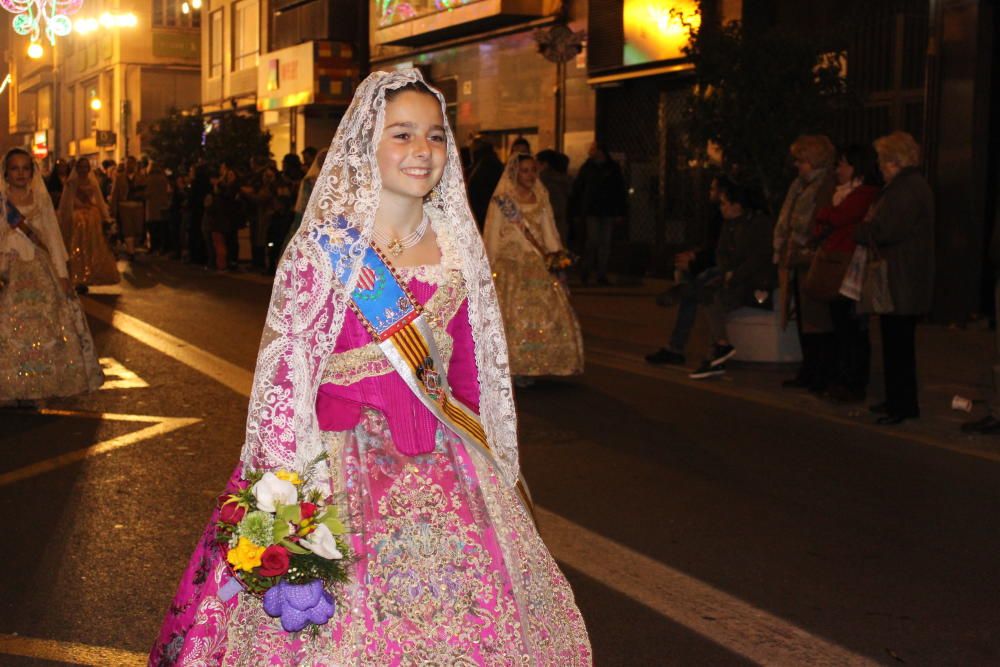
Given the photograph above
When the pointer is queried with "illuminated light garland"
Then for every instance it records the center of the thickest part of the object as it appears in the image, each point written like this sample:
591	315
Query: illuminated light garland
106	20
30	16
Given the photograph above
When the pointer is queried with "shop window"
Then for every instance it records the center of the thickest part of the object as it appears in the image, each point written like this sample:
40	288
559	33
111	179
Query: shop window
91	115
215	45
168	14
246	34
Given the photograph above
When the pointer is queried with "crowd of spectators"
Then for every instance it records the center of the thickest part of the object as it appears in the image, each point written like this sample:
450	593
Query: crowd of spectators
853	240
196	212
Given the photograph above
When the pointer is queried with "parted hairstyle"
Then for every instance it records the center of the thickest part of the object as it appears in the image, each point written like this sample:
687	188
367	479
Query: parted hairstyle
17	151
816	149
898	147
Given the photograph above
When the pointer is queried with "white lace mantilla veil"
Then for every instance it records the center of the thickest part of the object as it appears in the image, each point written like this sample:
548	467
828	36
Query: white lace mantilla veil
507	188
45	223
308	303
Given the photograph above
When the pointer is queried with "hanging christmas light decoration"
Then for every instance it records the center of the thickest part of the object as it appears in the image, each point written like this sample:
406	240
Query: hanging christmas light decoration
32	18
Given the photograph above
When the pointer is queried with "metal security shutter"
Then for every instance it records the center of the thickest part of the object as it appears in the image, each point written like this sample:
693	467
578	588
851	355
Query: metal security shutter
605	35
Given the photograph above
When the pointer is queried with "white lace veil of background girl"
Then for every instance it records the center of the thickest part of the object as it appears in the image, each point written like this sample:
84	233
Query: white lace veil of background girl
44	223
549	237
308	301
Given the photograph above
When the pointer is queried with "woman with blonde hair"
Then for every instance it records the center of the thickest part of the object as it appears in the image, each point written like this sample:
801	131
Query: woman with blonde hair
900	225
811	191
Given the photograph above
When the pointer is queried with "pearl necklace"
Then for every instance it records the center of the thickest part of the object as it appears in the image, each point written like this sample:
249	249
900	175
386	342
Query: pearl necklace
395	247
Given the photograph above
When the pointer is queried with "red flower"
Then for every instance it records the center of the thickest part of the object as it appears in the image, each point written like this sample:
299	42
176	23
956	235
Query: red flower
232	513
307	509
274	561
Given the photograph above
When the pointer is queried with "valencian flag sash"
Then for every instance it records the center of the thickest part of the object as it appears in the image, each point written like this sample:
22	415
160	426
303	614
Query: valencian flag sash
396	323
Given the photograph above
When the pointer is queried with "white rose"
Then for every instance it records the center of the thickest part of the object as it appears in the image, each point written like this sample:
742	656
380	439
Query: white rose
271	492
322	543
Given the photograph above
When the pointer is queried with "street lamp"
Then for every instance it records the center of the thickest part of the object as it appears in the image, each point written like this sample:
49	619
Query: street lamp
96	104
35	51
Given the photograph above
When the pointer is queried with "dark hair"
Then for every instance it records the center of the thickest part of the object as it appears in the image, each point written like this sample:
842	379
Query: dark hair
864	161
414	87
107	163
547	156
524	157
556	161
736	193
17	151
520	141
310	150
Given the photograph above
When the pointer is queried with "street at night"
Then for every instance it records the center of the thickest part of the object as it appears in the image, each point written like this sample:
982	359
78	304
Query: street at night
499	333
718	524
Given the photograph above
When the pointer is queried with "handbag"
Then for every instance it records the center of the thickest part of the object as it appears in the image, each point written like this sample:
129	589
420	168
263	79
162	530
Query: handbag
875	295
854	277
826	274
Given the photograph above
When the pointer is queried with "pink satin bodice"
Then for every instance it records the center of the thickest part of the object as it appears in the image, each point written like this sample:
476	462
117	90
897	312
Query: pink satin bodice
413	427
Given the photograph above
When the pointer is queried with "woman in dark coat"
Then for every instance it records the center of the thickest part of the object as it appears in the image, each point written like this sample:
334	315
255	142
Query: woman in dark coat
901	226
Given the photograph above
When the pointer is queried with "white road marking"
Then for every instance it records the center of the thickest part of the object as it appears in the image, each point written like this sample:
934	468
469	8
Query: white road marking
118	377
158	426
737	625
721	618
220	370
70	652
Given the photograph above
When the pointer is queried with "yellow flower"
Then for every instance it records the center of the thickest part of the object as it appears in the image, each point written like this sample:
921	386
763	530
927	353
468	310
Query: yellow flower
292	477
245	555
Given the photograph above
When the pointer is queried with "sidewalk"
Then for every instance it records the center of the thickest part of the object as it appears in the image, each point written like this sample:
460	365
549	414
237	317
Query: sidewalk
623	324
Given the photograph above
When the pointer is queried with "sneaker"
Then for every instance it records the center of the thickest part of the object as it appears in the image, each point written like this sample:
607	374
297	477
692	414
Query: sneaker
665	356
721	354
707	370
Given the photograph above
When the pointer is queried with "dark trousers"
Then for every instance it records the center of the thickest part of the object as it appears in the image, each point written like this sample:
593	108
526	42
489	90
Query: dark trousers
195	242
852	368
692	294
899	360
818	349
157	234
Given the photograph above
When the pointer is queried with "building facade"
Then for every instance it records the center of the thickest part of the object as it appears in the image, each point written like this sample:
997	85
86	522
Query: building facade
107	84
922	66
484	55
295	62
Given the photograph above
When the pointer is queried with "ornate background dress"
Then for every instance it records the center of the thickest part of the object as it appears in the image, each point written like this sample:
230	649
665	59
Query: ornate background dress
82	213
45	346
543	334
449	569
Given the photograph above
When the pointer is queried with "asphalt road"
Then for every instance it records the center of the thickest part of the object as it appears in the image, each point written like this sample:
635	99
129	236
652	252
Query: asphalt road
697	528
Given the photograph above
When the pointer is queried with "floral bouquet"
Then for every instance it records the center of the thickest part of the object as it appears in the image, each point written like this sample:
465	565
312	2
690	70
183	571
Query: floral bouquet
560	260
286	544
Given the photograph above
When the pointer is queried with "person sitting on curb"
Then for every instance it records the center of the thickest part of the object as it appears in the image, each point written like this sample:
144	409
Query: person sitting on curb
746	274
695	268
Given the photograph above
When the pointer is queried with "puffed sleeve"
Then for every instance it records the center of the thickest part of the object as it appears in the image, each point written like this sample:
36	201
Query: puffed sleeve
463	374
